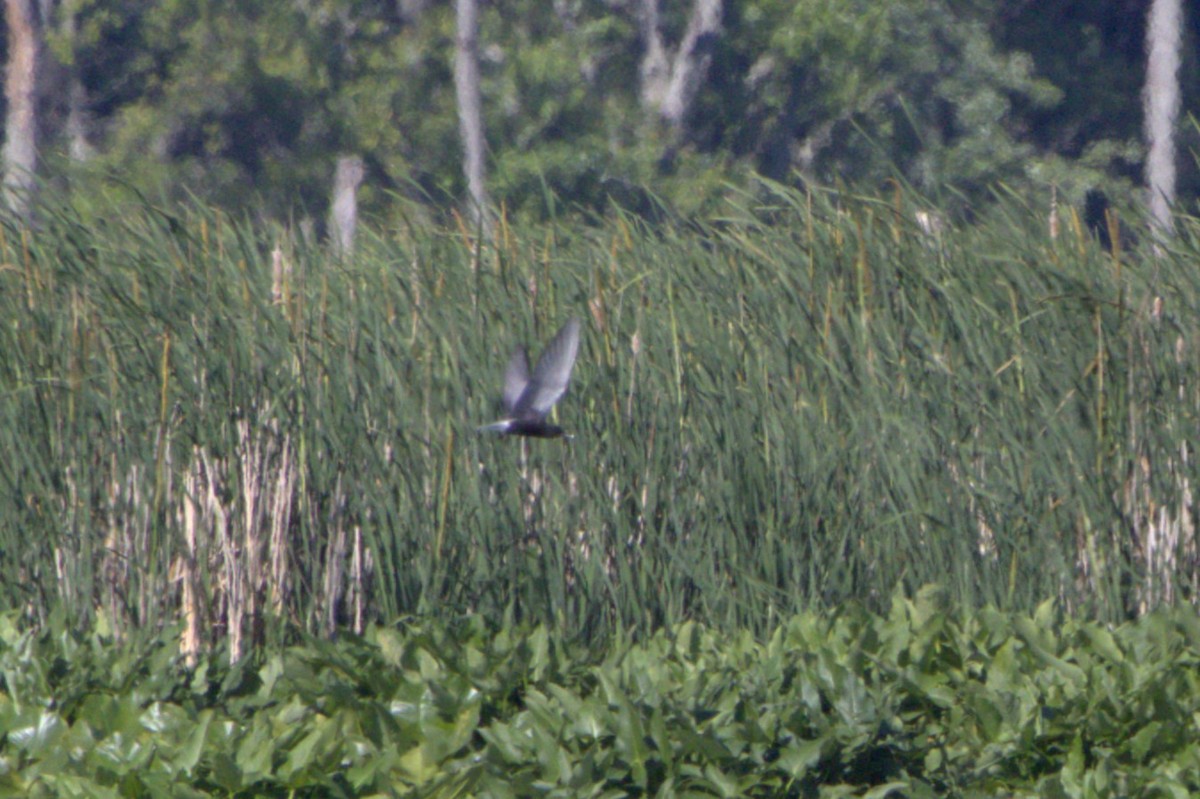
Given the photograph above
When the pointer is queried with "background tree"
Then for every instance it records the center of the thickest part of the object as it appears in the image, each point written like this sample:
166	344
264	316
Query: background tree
343	209
249	105
22	18
1162	106
470	115
1094	137
861	92
670	85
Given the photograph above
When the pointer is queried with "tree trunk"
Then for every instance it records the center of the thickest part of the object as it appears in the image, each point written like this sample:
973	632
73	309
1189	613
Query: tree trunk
655	69
470	118
20	89
669	85
1161	99
78	122
343	211
690	69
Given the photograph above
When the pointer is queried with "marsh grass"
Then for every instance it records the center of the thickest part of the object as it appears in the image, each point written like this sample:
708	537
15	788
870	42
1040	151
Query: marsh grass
808	401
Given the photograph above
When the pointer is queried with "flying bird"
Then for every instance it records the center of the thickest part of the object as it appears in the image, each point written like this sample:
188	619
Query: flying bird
528	398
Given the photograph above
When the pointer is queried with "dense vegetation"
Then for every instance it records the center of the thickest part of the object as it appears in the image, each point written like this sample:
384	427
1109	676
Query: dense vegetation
864	498
922	702
807	402
248	104
224	446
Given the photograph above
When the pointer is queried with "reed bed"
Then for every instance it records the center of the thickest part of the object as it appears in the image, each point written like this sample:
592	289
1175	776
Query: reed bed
809	401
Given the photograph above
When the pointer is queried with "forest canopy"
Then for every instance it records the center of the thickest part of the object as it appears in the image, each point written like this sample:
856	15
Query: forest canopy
248	105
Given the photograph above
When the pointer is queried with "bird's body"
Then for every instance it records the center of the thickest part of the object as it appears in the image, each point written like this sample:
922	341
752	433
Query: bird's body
528	398
530	428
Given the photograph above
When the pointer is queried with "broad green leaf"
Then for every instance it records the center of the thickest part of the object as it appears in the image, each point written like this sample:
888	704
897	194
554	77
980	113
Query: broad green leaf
798	757
189	754
887	789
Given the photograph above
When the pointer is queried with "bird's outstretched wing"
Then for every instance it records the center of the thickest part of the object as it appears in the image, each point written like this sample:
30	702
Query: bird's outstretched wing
550	377
516	379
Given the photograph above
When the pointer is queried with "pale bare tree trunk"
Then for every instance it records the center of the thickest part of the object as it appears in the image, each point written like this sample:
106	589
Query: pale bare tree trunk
1161	100
470	117
20	89
690	69
670	84
655	69
78	119
78	122
343	211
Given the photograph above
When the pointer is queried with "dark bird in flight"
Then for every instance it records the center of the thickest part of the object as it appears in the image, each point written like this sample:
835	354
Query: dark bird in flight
529	398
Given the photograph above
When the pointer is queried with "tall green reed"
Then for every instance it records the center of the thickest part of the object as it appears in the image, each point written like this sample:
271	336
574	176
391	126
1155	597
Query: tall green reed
809	401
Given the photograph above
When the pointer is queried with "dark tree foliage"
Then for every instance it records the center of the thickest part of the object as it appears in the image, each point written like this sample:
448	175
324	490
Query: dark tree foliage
249	104
1098	123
